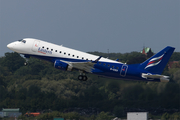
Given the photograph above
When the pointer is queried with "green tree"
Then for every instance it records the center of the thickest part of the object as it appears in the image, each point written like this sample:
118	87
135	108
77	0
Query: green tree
175	56
23	71
3	93
176	75
34	91
2	81
13	61
165	116
21	94
118	111
175	116
71	116
113	86
136	60
104	116
170	97
132	92
4	71
150	53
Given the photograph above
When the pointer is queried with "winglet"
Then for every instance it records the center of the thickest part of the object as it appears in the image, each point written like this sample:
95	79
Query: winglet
117	59
97	59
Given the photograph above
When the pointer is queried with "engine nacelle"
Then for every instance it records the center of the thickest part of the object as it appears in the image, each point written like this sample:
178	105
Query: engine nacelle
62	66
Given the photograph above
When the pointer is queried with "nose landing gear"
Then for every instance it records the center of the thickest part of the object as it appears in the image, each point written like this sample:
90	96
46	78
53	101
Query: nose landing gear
25	63
27	57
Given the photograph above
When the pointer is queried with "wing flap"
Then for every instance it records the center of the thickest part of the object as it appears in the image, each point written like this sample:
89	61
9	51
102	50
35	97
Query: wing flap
84	66
87	66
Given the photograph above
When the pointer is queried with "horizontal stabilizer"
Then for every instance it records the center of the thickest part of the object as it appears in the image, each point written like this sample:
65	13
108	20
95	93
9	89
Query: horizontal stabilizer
162	78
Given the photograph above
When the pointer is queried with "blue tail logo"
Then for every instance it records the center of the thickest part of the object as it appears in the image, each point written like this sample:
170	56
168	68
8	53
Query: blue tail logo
154	61
157	63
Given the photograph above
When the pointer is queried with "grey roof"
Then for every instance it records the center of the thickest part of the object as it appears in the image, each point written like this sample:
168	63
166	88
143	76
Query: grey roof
10	110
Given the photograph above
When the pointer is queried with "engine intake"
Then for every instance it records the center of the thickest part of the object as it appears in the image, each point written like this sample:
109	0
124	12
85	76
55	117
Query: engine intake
62	66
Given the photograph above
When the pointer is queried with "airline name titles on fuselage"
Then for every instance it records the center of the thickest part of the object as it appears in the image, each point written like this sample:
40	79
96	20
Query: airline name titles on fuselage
44	51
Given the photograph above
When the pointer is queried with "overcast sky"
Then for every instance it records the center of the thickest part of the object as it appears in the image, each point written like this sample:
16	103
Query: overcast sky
92	25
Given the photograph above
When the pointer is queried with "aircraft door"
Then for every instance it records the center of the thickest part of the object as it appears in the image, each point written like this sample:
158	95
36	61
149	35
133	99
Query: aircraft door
35	46
123	70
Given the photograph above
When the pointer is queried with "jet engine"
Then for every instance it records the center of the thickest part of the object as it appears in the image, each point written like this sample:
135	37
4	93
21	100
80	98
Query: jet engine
62	66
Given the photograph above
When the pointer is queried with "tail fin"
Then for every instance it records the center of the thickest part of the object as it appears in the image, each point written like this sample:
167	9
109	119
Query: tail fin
157	63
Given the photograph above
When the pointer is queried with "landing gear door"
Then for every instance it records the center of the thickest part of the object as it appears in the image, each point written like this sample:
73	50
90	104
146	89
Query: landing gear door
123	70
35	46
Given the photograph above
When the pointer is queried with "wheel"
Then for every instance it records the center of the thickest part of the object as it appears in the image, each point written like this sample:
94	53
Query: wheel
84	78
80	77
25	64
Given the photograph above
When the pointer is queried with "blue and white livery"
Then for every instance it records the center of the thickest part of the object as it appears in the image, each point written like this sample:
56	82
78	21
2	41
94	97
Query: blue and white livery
69	59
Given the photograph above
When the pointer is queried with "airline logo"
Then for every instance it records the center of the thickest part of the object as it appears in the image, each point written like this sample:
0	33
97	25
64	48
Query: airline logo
154	61
44	51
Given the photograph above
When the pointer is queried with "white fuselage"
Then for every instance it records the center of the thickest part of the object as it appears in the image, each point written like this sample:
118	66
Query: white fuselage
41	48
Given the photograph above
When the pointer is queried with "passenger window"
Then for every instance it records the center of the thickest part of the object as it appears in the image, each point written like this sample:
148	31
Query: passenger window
59	51
108	65
51	49
117	67
104	64
64	53
55	50
82	58
73	55
42	46
86	59
47	48
77	56
112	66
69	54
100	63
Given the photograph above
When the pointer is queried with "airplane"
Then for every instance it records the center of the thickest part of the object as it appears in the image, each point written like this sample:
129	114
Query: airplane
69	59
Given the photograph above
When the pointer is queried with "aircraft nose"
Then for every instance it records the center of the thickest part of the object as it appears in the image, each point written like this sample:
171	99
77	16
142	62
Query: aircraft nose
10	46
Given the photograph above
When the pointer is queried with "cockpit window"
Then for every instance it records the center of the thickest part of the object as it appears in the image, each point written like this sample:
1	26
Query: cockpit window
23	41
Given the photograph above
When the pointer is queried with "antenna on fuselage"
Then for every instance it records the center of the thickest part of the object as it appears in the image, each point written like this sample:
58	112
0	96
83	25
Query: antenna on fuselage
108	53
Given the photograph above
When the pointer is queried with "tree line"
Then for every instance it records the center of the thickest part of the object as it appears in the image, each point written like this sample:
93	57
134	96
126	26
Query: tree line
40	86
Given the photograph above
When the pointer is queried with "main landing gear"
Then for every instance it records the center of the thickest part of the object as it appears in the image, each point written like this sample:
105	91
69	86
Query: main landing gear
82	76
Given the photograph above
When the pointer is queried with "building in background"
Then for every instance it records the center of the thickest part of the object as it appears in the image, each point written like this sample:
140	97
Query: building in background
147	51
137	116
13	112
174	64
1	114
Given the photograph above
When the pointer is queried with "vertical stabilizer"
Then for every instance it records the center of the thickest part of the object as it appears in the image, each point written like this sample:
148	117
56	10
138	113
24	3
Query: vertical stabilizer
157	63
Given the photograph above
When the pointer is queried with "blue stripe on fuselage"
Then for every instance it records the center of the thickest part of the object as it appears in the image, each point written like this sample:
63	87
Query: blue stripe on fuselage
133	73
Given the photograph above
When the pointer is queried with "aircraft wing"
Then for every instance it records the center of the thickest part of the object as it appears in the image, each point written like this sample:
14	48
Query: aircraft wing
162	78
84	66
